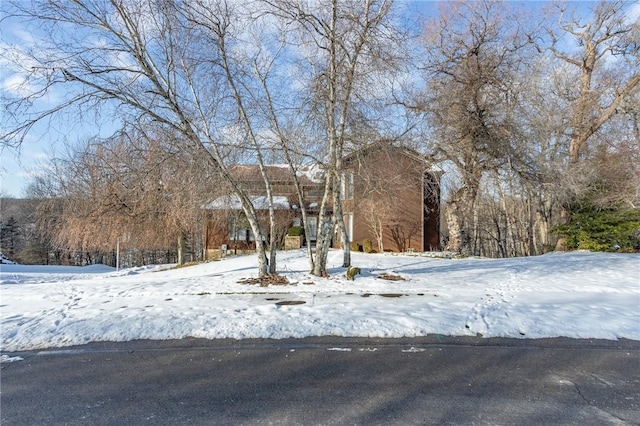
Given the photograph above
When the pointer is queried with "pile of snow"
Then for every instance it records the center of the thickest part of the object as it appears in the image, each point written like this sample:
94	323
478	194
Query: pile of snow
5	260
7	358
580	295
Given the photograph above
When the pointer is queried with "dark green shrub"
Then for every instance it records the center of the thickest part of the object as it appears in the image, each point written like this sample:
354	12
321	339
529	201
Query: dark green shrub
367	246
603	230
295	231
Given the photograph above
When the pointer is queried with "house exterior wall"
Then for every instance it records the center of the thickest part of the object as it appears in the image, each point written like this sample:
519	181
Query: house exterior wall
393	196
387	191
217	227
218	231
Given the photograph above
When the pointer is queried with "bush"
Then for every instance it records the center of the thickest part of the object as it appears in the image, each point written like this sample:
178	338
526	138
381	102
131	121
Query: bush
367	246
295	231
352	271
355	246
603	230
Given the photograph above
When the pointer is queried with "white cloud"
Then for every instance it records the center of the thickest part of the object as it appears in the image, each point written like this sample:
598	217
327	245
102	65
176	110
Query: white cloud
17	85
633	13
25	37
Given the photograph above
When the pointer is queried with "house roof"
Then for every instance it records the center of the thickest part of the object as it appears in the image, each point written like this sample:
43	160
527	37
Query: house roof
307	175
389	147
310	175
260	202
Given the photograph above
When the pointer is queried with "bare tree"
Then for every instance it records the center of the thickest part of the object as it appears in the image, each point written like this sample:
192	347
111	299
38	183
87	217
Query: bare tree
473	54
186	67
342	42
154	61
132	188
606	62
377	216
603	72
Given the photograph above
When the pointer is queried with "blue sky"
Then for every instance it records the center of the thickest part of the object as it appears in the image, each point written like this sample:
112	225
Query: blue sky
17	167
46	140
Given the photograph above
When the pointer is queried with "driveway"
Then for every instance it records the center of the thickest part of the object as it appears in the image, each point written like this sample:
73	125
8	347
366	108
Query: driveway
328	380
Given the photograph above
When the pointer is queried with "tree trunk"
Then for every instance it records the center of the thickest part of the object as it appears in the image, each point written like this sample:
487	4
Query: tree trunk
462	218
322	247
346	238
272	238
379	235
182	247
252	218
332	181
454	226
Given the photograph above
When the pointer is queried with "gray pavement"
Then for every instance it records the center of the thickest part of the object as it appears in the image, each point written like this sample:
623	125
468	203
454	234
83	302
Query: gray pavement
328	380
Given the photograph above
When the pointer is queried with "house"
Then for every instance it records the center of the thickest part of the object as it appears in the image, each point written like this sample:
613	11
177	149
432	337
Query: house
390	196
226	229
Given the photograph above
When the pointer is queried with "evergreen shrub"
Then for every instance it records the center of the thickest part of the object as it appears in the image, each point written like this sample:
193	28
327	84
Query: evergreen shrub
603	230
295	231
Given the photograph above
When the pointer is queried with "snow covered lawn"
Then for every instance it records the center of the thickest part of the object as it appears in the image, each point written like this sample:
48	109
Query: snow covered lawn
580	294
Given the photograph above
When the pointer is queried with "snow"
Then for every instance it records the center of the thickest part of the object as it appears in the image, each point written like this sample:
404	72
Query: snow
4	259
260	202
7	358
578	295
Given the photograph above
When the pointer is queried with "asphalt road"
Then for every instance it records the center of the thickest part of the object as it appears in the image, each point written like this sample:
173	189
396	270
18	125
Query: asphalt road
431	380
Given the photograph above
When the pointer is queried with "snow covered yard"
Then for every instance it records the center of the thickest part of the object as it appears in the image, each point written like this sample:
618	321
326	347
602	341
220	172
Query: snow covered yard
580	294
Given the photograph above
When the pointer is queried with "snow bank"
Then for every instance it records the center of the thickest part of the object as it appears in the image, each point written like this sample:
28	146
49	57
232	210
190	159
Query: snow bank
581	295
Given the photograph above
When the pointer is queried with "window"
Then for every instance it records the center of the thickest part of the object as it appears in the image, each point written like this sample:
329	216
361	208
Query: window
238	230
346	190
312	223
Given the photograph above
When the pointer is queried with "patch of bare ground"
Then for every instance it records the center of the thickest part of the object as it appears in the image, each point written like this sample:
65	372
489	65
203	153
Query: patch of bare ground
290	302
272	279
390	277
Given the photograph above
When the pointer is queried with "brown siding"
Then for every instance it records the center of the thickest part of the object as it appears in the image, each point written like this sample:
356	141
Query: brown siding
389	184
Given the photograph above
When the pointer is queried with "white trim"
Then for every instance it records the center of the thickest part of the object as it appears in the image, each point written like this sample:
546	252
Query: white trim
259	202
